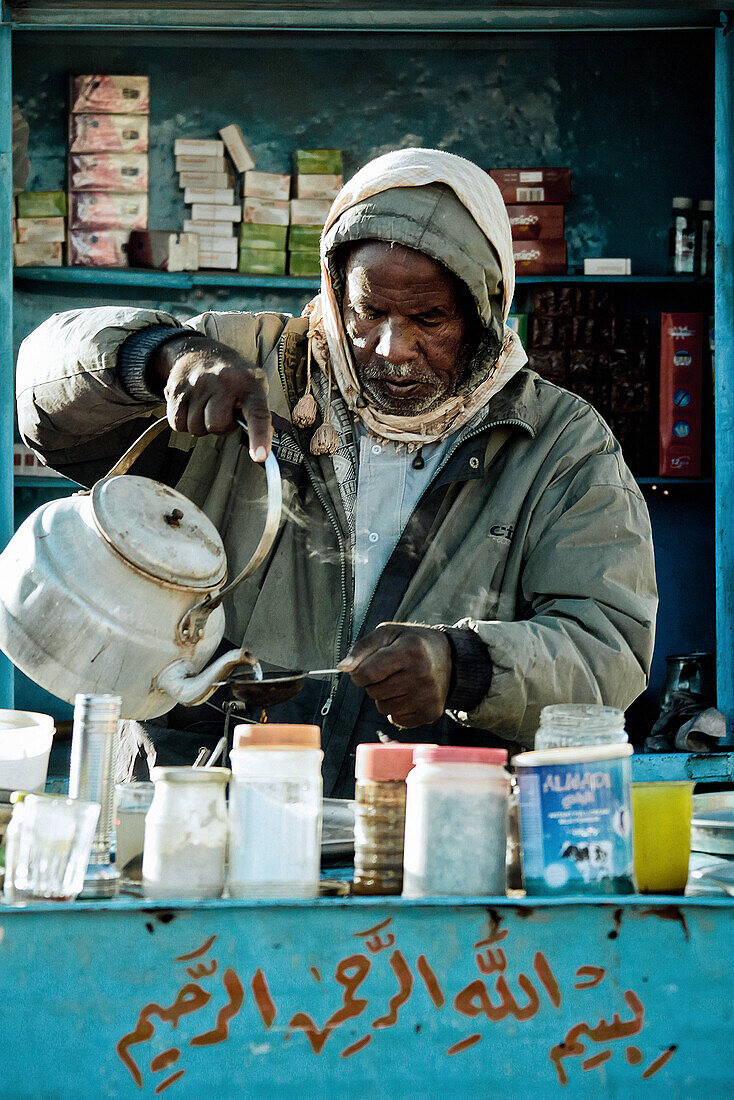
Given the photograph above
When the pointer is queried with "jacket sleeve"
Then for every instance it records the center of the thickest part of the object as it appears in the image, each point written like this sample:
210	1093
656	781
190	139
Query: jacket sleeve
72	406
588	583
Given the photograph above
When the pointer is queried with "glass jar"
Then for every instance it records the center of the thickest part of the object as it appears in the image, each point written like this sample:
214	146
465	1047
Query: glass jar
379	817
186	834
571	725
456	822
275	811
133	800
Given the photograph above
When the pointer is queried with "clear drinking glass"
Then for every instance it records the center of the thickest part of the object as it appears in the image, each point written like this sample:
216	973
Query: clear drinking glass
52	847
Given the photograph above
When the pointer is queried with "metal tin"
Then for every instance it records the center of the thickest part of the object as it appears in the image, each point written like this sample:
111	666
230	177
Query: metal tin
712	824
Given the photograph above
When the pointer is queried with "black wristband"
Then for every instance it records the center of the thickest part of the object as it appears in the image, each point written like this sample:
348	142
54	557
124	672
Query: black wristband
471	671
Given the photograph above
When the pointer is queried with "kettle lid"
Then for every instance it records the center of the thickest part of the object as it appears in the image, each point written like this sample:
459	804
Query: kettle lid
159	531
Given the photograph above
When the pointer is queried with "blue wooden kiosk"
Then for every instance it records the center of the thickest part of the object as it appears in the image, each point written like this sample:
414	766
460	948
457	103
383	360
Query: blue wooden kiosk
456	997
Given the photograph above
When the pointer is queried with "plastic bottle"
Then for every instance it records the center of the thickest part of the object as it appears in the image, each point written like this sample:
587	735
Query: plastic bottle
379	821
682	238
275	811
456	822
704	264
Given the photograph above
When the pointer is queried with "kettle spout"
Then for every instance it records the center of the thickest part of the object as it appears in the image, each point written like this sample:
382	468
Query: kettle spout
181	681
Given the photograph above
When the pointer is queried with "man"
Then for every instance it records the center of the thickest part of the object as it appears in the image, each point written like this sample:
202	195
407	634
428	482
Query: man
461	536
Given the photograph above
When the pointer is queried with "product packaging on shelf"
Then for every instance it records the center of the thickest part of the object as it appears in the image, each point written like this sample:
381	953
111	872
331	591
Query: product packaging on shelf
209	242
202	164
266	212
108	172
103	133
209	228
304	262
273	237
533	185
38	254
223	196
681	349
267	185
203	212
163	250
196	147
534	221
518	322
107	210
237	148
41	204
261	261
309	211
116	95
26	463
304	238
318	162
224	261
600	265
318	186
50	230
540	257
208	180
98	247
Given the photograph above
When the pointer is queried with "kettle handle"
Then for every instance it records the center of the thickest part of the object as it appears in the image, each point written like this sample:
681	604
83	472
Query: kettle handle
133	453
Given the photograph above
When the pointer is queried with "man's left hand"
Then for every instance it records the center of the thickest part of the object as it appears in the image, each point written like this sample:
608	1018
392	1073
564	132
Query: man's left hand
406	670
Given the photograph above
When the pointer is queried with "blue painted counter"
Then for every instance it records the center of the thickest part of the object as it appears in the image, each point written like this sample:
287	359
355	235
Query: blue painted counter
355	997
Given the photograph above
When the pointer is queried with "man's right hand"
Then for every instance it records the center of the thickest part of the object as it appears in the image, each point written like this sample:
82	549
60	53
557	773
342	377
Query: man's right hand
206	385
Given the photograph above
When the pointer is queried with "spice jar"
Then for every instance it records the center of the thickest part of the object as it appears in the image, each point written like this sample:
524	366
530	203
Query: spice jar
456	822
186	834
275	811
379	819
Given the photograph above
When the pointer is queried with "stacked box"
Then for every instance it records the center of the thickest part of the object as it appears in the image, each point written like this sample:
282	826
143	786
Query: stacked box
536	199
318	181
264	229
39	230
206	176
108	167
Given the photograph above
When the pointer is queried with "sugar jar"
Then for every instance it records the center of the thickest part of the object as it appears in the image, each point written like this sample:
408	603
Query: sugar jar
571	725
186	833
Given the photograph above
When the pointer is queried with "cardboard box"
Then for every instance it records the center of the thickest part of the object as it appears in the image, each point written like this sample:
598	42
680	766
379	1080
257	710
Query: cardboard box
205	212
112	95
540	257
223	196
602	266
309	211
272	237
266	212
108	172
681	371
198	147
108	133
208	180
224	261
318	186
107	210
98	247
318	162
202	164
304	263
261	261
267	185
237	148
531	185
212	243
41	204
26	463
304	238
50	230
536	222
38	254
209	228
164	251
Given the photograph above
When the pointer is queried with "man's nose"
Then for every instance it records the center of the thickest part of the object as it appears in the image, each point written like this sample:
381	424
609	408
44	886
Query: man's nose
395	343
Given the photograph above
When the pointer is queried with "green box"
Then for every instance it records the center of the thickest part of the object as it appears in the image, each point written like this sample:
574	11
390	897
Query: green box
270	238
304	238
261	261
41	204
518	322
319	162
304	263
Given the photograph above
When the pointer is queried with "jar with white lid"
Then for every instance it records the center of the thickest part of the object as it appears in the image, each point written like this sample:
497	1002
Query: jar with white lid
275	808
456	822
573	725
186	834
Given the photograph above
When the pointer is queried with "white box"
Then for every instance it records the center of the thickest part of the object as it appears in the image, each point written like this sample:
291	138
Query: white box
267	185
209	228
197	147
237	148
38	253
266	212
604	266
318	187
222	197
225	260
213	180
227	245
202	164
48	230
309	211
26	463
204	212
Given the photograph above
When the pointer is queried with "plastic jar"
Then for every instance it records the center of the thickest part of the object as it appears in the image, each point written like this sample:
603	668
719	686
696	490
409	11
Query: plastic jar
572	725
456	822
379	817
186	833
275	811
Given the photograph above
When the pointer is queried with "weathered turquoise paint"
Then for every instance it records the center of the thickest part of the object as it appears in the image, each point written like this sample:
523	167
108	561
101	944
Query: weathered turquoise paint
675	766
6	326
392	990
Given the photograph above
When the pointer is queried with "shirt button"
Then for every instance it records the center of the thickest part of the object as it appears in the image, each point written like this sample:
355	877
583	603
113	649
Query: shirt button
377	449
474	463
374	537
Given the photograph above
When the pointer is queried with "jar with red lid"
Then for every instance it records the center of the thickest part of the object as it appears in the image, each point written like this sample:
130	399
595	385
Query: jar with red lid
379	817
456	822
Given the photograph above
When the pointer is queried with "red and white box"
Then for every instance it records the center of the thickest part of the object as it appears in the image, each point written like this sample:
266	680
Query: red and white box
223	196
237	148
108	172
209	228
318	186
202	164
98	247
540	257
38	254
198	147
681	371
112	95
209	180
108	133
536	222
266	212
309	211
211	212
225	261
163	250
107	210
48	230
267	185
531	185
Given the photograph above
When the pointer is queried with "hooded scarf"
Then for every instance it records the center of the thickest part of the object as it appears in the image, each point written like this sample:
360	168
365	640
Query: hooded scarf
462	223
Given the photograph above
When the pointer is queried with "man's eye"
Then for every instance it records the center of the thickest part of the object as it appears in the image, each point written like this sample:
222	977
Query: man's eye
429	319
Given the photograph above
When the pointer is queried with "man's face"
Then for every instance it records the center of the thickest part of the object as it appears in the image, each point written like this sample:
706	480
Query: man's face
408	325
